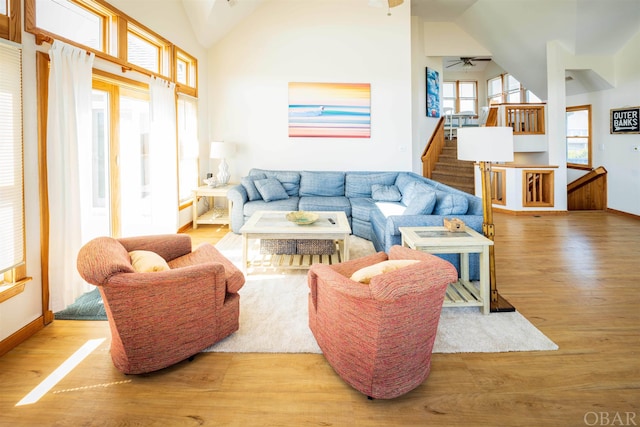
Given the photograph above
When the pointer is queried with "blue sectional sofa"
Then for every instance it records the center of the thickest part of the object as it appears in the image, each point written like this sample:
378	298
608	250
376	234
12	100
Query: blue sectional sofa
376	203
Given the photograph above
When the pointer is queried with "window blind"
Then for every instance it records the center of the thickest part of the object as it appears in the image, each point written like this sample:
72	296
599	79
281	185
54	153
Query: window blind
11	158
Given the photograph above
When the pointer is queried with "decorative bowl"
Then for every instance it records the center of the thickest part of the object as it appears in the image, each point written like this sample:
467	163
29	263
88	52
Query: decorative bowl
302	217
211	182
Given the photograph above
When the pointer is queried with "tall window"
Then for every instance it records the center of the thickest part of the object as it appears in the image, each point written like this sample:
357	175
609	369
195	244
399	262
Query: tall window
460	95
449	95
12	230
506	88
187	146
117	38
578	126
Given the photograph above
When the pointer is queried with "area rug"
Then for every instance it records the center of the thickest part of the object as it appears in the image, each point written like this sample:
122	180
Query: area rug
88	306
274	317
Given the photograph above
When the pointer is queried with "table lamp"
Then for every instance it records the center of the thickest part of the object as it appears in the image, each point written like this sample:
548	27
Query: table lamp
485	145
221	150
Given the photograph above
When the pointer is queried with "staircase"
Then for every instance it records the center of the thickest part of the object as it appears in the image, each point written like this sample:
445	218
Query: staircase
453	172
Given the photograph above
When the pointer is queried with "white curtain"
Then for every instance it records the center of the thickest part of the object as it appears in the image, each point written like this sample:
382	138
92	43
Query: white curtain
163	157
68	154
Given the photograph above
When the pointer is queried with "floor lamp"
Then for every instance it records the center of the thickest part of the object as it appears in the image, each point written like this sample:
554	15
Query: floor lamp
485	145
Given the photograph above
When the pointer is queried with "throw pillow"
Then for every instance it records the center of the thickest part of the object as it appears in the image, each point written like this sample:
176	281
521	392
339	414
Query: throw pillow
385	193
248	182
364	275
422	203
271	189
147	262
451	204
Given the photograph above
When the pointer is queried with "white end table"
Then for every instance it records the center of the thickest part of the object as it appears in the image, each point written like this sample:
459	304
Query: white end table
438	240
213	215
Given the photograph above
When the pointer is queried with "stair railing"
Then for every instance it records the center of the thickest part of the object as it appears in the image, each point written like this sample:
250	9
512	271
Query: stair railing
432	150
589	192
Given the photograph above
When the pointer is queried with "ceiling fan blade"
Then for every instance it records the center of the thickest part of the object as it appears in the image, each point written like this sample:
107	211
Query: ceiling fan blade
454	64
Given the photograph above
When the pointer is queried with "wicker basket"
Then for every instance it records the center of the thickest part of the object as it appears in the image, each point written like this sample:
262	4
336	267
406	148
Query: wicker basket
278	246
316	247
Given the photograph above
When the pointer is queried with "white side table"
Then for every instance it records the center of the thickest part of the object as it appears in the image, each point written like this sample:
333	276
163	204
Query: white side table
437	240
213	215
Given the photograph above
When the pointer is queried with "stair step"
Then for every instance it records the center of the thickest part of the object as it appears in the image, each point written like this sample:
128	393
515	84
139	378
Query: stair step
452	177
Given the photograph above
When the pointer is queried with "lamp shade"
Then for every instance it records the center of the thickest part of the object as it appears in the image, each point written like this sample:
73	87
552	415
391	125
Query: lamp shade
486	144
221	150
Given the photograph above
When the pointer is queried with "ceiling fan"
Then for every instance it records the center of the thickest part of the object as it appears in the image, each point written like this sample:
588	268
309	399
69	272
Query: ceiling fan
388	3
467	61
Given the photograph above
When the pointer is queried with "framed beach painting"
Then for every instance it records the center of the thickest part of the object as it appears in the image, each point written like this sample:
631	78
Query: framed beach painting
433	93
330	110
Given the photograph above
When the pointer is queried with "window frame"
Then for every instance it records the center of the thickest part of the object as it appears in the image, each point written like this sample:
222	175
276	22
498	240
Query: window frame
116	27
502	97
589	138
456	84
13	280
10	23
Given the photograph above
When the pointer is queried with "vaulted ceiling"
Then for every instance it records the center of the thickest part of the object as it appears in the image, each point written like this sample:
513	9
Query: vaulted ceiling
515	32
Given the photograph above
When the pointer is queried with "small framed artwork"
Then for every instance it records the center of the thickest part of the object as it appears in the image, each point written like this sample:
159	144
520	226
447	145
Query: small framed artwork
625	120
433	93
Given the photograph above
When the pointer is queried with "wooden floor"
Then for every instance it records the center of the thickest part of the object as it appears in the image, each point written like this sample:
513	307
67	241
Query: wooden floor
575	277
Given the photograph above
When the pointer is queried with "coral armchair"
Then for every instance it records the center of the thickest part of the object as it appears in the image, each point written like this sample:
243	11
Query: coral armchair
379	337
163	317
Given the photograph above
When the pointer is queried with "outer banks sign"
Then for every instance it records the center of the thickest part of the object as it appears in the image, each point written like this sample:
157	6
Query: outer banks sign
625	120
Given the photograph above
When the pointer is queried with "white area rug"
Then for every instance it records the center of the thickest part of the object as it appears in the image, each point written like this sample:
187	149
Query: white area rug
274	317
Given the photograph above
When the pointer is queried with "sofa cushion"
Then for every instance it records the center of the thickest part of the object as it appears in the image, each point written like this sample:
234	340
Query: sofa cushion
385	193
290	180
250	186
358	184
286	205
147	262
422	203
364	275
361	207
321	183
271	189
450	204
322	203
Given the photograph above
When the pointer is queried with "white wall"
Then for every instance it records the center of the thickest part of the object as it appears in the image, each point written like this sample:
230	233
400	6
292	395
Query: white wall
330	41
616	152
423	126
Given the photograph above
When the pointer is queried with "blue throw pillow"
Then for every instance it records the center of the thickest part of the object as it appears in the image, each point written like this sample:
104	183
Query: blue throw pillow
422	203
385	193
451	204
248	182
271	189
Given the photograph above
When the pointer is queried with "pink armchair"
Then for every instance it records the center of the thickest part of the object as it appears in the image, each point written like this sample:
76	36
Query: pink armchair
379	337
161	318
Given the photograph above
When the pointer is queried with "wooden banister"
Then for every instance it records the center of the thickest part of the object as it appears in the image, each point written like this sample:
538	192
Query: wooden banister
432	150
589	192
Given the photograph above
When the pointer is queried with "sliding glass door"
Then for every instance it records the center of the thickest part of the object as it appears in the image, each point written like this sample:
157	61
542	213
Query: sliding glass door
122	196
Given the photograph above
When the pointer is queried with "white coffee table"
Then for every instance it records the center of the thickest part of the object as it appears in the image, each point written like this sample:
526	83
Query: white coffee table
274	225
437	240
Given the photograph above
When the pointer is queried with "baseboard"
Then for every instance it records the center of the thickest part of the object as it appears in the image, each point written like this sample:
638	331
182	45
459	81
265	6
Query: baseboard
627	214
21	335
528	213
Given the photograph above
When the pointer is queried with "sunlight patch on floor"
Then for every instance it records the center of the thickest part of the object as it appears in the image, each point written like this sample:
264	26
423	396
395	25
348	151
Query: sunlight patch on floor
62	370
